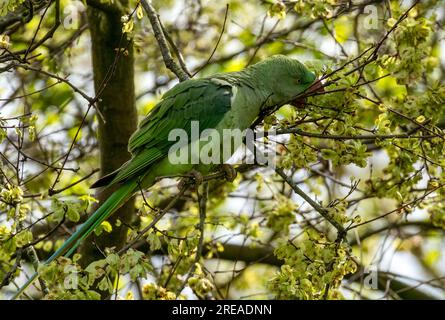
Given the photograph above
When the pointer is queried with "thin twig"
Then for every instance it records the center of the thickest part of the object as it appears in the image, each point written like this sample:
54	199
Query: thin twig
162	41
202	202
321	210
216	45
351	137
154	221
52	192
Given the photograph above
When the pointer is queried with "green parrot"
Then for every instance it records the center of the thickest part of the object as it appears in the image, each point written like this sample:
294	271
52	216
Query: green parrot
222	101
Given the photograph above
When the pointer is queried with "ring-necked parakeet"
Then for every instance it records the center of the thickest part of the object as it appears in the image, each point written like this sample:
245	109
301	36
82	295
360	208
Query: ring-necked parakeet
222	101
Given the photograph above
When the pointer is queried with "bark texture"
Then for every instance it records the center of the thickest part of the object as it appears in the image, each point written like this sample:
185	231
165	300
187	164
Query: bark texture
114	83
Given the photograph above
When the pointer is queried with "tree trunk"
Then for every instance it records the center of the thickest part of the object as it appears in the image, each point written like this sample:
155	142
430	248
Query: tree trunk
114	84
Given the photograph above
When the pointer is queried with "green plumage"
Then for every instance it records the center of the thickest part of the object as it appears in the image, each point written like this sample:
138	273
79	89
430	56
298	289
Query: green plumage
222	101
193	100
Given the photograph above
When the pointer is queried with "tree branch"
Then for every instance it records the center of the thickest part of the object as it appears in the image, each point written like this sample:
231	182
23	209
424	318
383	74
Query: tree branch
321	210
153	16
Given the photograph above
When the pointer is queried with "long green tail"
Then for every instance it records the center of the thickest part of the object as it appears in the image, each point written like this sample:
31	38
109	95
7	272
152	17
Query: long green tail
113	203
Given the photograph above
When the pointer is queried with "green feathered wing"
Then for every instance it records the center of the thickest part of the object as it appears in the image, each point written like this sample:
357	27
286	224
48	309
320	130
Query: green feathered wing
202	100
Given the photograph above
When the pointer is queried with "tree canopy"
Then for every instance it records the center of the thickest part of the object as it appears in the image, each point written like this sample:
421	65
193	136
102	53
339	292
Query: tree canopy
353	209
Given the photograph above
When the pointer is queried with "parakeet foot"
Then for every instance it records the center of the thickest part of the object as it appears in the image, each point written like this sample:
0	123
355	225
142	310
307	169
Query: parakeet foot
229	172
193	179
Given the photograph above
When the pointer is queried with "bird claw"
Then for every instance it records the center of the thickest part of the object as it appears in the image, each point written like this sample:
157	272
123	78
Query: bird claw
229	172
192	179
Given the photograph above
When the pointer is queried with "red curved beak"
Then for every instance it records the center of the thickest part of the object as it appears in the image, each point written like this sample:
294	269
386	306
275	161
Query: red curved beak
316	87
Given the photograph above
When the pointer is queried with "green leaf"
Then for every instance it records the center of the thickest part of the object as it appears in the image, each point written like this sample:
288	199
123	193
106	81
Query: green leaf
104	226
154	241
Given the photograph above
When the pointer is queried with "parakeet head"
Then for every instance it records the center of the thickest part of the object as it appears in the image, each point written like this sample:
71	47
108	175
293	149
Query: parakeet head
285	78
